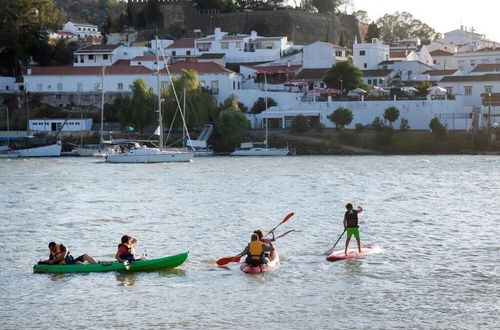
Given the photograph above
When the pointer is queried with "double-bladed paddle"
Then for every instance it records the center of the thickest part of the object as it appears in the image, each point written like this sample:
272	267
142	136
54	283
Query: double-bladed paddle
226	260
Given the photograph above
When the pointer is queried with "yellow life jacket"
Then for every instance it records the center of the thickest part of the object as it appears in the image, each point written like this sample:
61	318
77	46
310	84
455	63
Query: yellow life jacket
255	250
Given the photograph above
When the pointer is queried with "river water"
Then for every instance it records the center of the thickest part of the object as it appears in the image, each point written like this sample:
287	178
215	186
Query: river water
434	220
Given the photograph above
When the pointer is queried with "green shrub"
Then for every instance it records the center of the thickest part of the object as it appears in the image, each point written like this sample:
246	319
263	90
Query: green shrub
437	128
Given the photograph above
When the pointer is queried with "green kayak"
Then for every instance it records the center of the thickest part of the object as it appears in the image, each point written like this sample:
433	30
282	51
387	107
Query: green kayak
136	266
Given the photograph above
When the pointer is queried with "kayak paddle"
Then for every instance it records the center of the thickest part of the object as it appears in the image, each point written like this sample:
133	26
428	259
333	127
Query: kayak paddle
285	233
285	219
330	251
226	260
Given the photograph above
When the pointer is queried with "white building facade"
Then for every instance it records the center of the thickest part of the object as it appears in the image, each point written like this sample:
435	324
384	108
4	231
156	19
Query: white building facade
367	56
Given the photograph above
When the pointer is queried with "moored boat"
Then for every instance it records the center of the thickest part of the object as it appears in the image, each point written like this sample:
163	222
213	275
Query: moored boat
136	266
274	263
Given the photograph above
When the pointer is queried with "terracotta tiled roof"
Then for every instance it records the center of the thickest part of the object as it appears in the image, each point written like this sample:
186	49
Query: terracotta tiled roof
376	73
144	58
205	67
440	52
97	49
472	78
399	53
87	70
81	22
389	62
311	74
492	67
290	68
440	72
182	43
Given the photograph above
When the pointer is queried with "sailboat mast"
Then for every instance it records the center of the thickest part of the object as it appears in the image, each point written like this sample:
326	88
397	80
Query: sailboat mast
160	118
265	100
101	131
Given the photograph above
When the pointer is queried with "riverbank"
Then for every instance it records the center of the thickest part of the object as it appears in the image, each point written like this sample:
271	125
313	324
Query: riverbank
351	142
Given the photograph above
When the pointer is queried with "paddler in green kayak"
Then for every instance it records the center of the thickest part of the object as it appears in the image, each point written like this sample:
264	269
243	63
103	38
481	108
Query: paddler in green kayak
59	255
126	249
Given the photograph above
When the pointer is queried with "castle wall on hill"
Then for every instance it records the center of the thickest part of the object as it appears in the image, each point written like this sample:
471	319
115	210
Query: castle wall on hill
299	26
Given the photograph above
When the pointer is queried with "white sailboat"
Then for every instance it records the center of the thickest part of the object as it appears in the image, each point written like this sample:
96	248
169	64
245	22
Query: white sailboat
260	148
141	154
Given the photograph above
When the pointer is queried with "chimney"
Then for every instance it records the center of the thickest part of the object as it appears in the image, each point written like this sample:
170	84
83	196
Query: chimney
253	34
29	70
217	34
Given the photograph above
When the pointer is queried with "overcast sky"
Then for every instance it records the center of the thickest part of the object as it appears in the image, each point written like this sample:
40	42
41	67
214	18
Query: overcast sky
442	15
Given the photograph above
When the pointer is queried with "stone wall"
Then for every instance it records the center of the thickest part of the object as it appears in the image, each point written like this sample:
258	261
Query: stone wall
299	26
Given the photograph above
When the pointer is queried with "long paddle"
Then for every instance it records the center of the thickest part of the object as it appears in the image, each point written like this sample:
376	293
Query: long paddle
285	219
285	233
226	260
330	251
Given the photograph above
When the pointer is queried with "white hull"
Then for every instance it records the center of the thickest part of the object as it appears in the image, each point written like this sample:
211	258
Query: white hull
261	152
149	155
53	150
89	152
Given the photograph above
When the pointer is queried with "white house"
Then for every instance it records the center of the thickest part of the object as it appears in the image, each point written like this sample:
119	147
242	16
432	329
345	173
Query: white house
65	35
471	86
7	84
443	60
322	55
466	40
242	48
106	55
82	29
367	56
181	49
466	61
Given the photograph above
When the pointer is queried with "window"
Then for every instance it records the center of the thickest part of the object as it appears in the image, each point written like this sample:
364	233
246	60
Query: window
214	86
164	84
488	89
449	90
381	81
105	56
234	84
76	59
91	57
468	90
224	45
120	86
238	44
82	60
369	82
59	86
362	53
203	47
434	62
188	52
365	65
174	53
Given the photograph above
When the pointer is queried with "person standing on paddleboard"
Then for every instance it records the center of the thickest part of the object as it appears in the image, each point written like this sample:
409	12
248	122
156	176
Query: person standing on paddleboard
351	225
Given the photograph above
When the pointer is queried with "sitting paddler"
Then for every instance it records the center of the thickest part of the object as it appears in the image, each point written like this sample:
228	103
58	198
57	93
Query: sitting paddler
266	241
255	251
126	249
59	255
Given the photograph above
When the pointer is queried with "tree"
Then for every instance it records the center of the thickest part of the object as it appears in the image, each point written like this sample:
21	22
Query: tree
422	87
260	105
362	16
143	105
391	114
343	75
373	32
230	127
326	6
24	32
378	124
404	25
299	124
341	117
438	129
200	106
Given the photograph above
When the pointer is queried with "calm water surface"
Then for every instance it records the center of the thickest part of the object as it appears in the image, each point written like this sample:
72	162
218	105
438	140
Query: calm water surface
435	220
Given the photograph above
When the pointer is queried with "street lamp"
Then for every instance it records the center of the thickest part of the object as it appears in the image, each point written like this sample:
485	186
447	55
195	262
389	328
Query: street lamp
489	109
341	89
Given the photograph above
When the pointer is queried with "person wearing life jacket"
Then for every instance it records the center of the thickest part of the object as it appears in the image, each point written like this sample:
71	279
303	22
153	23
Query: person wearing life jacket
351	225
266	241
126	249
255	251
59	255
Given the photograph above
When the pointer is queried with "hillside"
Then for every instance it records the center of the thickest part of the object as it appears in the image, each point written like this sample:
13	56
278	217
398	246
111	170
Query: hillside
91	11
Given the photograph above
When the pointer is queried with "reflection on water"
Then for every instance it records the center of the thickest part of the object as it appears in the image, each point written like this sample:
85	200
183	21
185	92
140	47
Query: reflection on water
126	279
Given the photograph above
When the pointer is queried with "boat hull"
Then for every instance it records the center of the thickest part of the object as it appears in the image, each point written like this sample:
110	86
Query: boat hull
261	152
136	266
52	150
271	265
149	155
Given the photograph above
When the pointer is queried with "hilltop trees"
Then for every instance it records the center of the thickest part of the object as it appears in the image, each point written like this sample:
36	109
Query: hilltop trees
341	117
402	26
24	33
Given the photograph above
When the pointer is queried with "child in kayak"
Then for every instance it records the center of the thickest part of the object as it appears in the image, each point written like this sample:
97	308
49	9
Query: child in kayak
255	251
266	241
59	255
126	249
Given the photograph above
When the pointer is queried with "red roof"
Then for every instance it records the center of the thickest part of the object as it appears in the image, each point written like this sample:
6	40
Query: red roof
275	68
183	43
492	67
440	72
399	53
144	58
97	48
440	52
203	67
87	70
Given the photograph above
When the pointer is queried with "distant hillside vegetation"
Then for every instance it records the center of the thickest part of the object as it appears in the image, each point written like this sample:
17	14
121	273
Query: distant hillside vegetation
91	11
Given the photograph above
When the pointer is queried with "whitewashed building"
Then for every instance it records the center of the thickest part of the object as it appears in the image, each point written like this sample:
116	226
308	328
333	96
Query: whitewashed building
471	86
82	29
106	55
466	61
443	60
322	55
466	39
65	125
367	56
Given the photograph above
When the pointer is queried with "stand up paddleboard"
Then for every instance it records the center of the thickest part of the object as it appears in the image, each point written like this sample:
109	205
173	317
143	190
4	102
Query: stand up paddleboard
353	253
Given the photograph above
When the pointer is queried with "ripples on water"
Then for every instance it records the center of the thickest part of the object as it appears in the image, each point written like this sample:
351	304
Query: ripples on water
435	219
